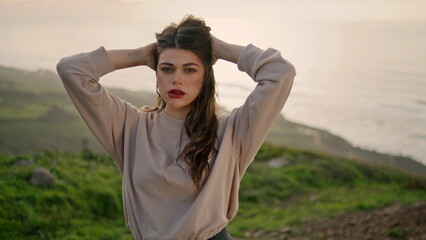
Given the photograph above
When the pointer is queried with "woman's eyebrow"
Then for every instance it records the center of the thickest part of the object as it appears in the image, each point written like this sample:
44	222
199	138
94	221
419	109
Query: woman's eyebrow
190	64
166	63
185	65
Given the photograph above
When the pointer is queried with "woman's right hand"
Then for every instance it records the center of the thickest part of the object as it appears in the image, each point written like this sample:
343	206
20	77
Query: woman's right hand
149	53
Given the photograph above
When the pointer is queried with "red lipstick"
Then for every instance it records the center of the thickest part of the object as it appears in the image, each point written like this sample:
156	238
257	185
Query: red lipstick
176	93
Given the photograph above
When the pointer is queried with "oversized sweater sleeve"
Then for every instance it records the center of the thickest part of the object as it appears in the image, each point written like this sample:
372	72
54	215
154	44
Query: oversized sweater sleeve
252	121
105	114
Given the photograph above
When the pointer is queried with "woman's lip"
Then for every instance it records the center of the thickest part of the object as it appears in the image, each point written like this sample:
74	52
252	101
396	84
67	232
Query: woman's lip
176	93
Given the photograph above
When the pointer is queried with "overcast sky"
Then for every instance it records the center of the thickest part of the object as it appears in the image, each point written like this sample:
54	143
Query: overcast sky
85	24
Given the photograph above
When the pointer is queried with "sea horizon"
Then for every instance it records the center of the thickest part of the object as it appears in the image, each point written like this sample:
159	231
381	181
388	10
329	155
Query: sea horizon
360	77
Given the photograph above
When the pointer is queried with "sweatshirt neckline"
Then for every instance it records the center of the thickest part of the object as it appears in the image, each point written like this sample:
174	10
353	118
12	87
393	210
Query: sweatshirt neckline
170	119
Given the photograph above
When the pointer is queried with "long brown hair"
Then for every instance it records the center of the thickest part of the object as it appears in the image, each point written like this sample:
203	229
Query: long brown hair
201	122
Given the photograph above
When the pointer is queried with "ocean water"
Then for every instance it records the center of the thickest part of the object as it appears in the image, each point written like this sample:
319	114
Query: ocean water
362	80
366	82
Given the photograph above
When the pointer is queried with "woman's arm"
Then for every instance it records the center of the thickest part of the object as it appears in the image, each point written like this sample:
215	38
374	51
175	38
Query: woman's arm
274	77
126	58
108	117
225	51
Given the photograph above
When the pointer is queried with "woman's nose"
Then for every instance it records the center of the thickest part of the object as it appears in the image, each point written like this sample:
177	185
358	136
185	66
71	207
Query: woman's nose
177	78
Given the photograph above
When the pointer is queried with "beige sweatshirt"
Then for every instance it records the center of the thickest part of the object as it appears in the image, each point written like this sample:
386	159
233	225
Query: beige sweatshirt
159	198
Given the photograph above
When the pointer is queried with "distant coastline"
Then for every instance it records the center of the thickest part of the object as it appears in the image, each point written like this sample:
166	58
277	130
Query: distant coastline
36	113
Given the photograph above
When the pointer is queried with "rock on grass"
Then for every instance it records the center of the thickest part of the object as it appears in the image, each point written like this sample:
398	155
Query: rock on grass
42	177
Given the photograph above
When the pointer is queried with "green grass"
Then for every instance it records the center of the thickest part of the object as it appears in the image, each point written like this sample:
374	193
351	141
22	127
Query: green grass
320	204
316	186
85	202
398	233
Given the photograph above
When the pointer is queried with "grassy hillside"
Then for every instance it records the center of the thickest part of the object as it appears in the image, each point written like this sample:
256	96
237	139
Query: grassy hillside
85	201
291	134
36	113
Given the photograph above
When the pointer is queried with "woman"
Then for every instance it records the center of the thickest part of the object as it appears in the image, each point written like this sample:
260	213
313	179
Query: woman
180	163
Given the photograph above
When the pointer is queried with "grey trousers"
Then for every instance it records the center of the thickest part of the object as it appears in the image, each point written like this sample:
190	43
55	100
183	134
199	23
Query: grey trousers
222	235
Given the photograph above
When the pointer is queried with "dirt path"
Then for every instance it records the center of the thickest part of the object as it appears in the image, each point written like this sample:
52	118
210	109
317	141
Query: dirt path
390	223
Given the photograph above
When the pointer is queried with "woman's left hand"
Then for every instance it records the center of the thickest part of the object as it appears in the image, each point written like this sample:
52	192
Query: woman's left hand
224	50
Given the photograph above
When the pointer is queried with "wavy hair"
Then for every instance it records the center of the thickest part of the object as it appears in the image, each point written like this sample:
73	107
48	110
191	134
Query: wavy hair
201	122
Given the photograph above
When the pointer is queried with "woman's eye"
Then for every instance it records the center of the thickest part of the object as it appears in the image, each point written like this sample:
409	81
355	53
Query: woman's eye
166	69
191	70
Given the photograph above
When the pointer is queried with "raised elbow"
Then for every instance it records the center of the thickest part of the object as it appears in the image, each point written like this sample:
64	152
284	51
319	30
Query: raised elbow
67	70
290	70
62	68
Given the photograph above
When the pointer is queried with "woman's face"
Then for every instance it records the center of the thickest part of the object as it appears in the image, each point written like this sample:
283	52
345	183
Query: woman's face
180	78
